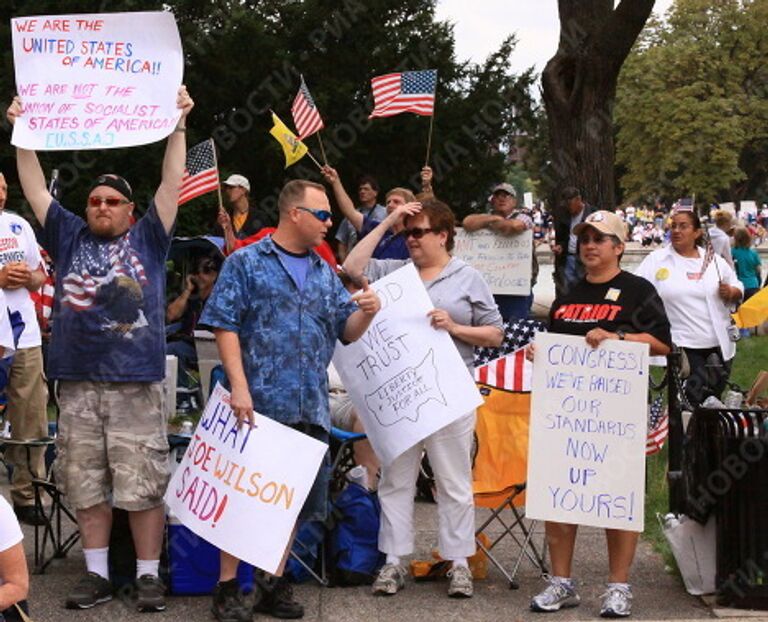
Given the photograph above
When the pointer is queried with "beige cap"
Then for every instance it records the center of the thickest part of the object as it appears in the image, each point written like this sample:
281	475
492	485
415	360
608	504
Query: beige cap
605	222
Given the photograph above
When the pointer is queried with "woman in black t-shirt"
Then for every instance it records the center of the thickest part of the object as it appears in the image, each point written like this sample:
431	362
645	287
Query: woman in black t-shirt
607	304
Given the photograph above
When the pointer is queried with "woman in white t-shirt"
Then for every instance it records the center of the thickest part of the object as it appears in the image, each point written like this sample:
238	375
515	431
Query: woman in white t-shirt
14	577
698	289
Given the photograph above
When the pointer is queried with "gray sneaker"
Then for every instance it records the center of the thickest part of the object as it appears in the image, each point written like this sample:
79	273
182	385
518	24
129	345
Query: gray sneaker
557	595
461	582
390	580
617	601
90	591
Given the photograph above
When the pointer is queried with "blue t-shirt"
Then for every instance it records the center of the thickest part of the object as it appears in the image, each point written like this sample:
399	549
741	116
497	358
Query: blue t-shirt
109	307
287	336
296	265
391	245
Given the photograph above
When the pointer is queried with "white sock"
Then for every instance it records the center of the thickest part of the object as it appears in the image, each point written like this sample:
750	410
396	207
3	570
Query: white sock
566	580
393	559
97	560
460	561
147	566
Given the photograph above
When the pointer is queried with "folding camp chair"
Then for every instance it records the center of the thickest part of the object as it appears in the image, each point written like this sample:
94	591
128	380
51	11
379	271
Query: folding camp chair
500	464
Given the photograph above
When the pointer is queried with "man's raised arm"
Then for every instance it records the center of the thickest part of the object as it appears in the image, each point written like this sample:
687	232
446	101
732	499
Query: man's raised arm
174	161
31	173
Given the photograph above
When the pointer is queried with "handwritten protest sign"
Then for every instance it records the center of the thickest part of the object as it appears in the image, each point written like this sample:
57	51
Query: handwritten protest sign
586	455
96	81
503	260
405	378
243	488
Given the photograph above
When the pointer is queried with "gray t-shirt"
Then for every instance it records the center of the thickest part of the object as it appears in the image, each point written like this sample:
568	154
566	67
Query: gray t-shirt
459	289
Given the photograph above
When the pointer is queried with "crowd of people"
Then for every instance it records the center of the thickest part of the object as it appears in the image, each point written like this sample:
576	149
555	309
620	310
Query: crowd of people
277	305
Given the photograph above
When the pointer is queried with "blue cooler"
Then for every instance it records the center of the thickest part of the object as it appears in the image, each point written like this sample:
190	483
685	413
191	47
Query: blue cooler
194	563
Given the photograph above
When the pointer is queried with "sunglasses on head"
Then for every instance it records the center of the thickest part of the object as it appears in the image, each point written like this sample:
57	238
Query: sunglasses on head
416	232
321	214
110	201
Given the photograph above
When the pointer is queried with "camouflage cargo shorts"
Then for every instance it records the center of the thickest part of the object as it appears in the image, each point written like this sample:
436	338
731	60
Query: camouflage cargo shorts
112	444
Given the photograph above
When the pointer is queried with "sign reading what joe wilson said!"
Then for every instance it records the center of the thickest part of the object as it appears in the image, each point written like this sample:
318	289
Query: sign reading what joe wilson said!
96	81
503	260
242	488
406	379
586	457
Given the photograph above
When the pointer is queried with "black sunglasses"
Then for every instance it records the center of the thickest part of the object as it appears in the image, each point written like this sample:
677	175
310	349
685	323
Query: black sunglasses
321	214
416	232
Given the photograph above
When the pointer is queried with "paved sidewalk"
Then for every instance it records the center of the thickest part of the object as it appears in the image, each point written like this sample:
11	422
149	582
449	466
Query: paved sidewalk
659	595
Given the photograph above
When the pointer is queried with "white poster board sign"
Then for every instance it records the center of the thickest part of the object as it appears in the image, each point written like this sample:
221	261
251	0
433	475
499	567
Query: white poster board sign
586	454
242	488
406	379
96	81
503	260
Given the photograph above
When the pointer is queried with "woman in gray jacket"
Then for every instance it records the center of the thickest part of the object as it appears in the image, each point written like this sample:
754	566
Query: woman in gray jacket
465	308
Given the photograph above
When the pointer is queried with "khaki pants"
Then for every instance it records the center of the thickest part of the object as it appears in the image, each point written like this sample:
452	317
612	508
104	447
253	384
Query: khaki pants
27	400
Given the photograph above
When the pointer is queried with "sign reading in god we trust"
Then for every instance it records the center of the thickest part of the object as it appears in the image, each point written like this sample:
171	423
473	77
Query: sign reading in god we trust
503	260
586	457
233	478
96	81
406	379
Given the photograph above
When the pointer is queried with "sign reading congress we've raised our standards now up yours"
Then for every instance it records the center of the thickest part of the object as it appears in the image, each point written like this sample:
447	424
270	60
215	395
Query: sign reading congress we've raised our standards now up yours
96	81
586	456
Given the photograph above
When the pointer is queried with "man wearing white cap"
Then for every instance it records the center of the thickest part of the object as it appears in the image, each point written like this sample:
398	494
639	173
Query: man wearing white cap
506	219
243	221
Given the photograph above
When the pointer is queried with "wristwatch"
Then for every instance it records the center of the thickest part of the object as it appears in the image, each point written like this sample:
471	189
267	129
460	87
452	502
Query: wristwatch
621	334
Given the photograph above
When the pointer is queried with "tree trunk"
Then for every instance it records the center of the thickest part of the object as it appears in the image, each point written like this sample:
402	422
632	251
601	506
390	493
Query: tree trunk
579	89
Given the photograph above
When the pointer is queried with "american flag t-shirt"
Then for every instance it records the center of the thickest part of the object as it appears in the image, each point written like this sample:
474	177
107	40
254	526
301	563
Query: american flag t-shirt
409	91
306	117
200	173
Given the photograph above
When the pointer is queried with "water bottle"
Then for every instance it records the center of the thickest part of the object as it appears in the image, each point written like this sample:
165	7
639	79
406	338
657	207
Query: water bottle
358	475
186	428
733	399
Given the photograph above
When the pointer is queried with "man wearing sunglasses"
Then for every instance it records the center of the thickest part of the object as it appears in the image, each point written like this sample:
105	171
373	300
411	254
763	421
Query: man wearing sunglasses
507	220
277	310
21	272
108	353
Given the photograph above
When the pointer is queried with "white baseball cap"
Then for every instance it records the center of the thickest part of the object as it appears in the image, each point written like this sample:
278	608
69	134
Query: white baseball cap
238	180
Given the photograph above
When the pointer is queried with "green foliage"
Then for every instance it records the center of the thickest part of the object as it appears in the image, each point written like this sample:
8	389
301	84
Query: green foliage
692	104
245	58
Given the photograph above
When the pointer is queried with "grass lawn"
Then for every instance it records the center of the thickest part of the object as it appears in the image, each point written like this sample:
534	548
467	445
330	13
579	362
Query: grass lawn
751	357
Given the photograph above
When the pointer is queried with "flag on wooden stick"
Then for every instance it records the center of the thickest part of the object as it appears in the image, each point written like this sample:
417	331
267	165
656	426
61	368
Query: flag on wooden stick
409	91
306	117
293	148
200	173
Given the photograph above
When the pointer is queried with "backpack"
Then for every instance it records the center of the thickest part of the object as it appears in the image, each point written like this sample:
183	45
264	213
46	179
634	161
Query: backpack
354	544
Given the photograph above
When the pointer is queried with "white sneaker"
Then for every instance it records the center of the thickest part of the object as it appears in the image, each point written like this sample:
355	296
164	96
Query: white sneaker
461	582
617	601
390	580
557	595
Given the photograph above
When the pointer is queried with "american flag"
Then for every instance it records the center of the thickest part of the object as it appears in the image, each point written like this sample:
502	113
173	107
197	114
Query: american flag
306	118
658	427
410	91
511	372
517	334
95	265
200	173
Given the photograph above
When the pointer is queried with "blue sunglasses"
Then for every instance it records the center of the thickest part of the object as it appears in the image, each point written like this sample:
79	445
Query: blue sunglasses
321	214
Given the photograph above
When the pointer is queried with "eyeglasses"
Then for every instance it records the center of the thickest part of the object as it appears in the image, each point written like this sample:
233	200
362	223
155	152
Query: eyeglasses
110	201
416	232
322	215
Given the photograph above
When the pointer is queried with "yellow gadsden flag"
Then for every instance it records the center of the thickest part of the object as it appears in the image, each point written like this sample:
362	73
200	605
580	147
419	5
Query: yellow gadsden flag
293	148
754	311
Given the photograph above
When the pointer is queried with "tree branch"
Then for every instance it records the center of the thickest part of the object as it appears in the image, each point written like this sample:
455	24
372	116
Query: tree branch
619	32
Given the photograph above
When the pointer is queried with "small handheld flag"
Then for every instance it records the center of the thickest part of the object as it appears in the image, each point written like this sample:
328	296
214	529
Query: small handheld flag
201	174
409	91
293	148
306	117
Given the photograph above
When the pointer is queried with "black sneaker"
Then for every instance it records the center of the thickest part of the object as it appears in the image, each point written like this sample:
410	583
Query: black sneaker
29	515
92	590
228	604
277	600
150	592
